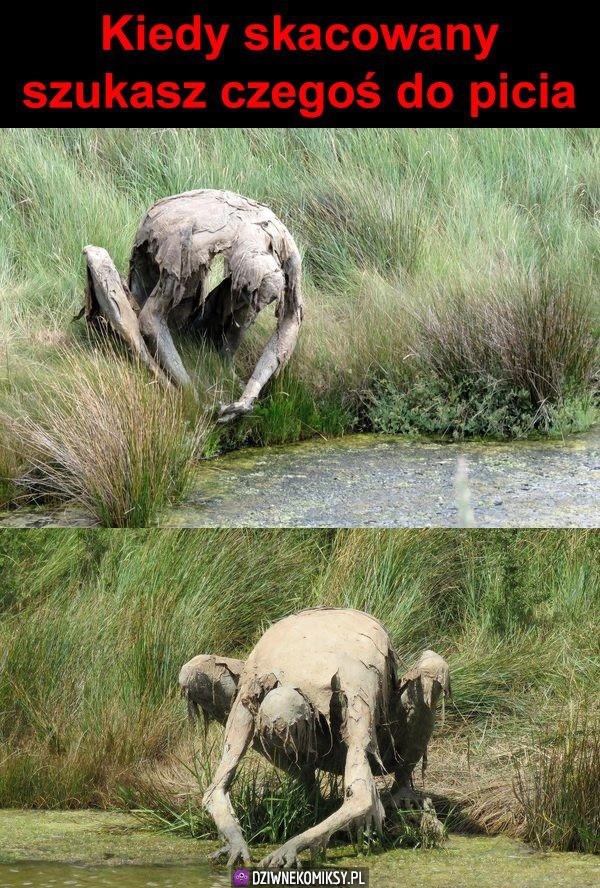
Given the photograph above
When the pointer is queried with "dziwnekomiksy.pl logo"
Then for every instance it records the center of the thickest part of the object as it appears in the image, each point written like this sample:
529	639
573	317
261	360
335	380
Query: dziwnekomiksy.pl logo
346	877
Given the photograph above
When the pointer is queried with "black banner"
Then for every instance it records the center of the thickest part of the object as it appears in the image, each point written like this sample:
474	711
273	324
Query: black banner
174	63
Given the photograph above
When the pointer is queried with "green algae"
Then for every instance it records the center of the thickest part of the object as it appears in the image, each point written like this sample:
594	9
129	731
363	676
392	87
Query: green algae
39	848
387	481
382	481
483	862
90	837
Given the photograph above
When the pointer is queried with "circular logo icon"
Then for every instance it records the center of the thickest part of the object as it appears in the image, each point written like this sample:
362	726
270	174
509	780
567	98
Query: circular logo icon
241	877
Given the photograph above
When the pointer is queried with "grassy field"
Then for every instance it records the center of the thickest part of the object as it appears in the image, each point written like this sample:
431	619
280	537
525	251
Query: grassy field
94	627
451	282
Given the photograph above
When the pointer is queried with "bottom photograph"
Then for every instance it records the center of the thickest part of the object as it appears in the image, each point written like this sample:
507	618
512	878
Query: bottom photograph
239	707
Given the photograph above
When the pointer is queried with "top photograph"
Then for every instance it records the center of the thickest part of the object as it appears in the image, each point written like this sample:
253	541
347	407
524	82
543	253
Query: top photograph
299	327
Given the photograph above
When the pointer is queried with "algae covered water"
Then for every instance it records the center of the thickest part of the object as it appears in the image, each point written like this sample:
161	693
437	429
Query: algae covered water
383	481
61	875
109	849
467	862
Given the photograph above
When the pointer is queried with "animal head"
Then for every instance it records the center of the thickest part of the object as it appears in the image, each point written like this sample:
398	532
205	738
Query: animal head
429	678
256	277
209	684
271	288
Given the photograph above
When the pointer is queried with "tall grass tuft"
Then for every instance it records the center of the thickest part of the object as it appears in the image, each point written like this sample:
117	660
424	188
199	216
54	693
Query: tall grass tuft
97	433
536	337
270	805
557	783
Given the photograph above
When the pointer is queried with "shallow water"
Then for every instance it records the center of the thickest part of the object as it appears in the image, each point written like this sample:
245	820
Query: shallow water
383	481
61	875
89	849
468	862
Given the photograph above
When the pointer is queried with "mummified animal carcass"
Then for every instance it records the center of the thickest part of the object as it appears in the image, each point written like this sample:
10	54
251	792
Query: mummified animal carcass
321	690
167	286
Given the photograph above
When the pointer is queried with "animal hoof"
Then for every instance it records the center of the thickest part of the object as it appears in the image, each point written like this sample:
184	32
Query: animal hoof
235	853
286	856
231	412
406	799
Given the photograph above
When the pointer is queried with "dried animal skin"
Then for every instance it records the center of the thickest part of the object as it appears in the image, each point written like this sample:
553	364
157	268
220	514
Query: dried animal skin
209	683
320	690
175	245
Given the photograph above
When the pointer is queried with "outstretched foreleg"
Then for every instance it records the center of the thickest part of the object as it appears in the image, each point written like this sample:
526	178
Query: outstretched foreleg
279	347
238	735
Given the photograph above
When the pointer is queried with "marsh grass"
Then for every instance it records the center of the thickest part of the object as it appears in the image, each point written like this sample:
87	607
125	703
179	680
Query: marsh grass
451	276
290	412
94	628
537	336
405	830
270	804
96	432
9	467
557	780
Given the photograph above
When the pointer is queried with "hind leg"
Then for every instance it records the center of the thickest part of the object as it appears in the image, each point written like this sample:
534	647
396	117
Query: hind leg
235	330
155	330
221	321
361	806
108	297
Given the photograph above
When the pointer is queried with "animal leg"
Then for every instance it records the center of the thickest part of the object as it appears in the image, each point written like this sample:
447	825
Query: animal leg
420	690
361	806
404	797
235	329
154	328
238	735
208	318
107	296
278	349
223	321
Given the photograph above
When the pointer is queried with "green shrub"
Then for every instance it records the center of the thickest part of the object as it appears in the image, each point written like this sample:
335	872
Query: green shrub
475	407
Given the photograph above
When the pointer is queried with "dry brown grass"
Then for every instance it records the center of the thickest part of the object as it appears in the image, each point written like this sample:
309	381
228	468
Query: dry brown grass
473	783
534	335
95	431
557	783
